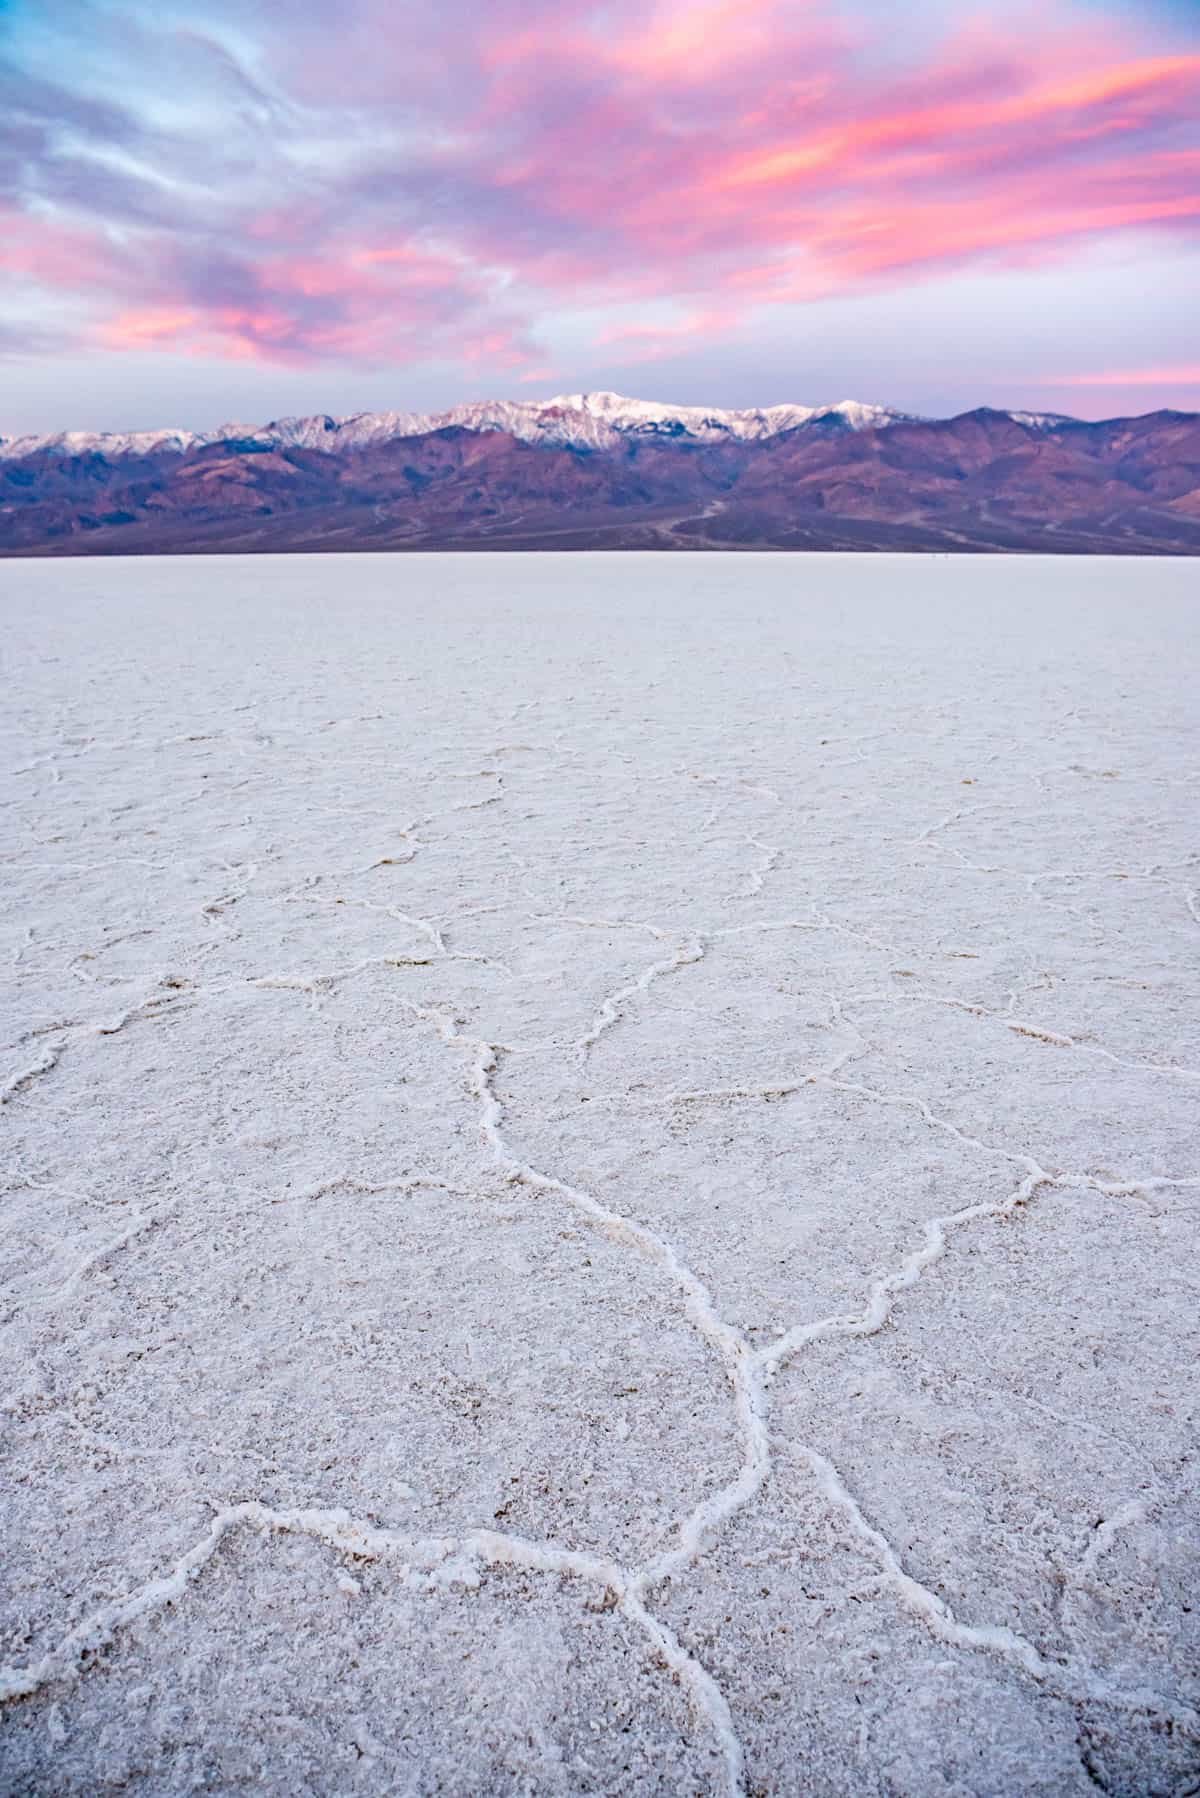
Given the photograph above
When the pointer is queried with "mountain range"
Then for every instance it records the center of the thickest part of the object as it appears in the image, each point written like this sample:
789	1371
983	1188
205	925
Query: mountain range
597	470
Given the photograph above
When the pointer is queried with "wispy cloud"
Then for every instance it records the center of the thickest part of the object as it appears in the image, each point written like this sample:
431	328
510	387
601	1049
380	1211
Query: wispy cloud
382	187
1175	376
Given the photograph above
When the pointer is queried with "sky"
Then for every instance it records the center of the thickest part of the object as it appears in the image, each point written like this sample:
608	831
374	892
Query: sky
214	211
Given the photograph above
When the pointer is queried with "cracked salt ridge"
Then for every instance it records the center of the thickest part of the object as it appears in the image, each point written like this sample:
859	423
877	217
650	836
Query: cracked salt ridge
1155	872
488	1546
426	927
610	1011
756	878
784	1087
482	1080
479	805
1023	1027
67	1288
54	1052
749	1372
762	1365
455	1557
631	1588
443	1559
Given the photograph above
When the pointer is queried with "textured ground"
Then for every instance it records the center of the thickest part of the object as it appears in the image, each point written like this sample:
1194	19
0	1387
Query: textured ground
602	1184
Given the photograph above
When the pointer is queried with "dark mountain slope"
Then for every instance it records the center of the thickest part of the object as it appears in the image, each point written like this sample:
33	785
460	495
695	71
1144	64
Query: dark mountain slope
982	481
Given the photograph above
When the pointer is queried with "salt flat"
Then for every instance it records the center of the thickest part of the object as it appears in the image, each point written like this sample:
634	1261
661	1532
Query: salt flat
602	1184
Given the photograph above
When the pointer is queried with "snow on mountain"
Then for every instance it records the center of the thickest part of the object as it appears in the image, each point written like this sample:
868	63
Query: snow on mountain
1041	421
109	443
579	420
620	417
582	420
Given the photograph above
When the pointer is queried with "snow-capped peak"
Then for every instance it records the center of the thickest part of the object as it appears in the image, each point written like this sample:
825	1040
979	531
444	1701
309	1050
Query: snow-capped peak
1040	421
578	420
110	443
713	424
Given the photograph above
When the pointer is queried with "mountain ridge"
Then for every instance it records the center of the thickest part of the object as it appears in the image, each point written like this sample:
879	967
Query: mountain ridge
588	420
603	471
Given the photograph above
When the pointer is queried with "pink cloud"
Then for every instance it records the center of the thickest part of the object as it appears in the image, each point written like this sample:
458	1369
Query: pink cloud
1188	376
444	191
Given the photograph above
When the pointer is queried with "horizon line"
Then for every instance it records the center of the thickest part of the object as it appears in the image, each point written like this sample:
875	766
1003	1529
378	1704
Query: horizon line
568	402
